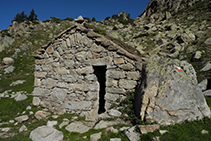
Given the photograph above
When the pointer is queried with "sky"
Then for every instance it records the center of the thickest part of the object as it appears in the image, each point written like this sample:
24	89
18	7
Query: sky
100	9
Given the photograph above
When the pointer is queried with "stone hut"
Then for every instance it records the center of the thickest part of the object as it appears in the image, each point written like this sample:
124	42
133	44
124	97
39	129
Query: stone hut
83	72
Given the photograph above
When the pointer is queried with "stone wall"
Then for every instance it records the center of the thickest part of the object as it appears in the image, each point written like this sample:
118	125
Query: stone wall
64	74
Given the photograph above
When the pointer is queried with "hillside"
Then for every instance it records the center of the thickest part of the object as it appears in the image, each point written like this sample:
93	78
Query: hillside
173	30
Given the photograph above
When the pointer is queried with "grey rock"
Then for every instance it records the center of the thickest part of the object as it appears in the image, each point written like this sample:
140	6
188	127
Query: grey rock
207	93
206	67
204	132
81	105
52	123
116	90
164	93
20	97
127	84
41	114
115	74
22	118
115	139
148	128
200	34
96	136
64	123
198	55
8	61
114	113
78	127
85	70
132	134
45	133
105	124
17	82
70	78
9	69
40	92
208	41
203	84
59	94
36	101
23	128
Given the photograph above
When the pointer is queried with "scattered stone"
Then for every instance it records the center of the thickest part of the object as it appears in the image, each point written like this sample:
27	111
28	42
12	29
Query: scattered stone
22	118
41	114
8	61
115	139
9	69
105	124
5	129
96	136
45	133
20	97
31	112
204	132
64	123
208	41
148	128
111	129
55	116
78	127
28	108
114	113
198	55
36	101
206	67
163	131
203	84
11	121
52	123
17	82
23	128
123	128
207	93
132	134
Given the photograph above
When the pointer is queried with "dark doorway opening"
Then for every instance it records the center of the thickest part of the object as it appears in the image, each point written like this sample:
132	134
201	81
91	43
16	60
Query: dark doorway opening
100	72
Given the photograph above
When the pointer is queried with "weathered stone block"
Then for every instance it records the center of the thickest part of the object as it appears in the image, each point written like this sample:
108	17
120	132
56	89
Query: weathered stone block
116	90
50	83
56	54
79	87
41	61
37	82
119	61
36	101
91	77
82	105
111	82
127	66
68	42
111	97
59	93
133	75
85	70
94	87
46	68
61	70
99	61
127	84
96	48
40	74
70	78
40	92
92	96
81	56
115	74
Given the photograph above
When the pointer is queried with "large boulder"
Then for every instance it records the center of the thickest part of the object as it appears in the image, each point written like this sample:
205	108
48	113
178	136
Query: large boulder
168	93
46	133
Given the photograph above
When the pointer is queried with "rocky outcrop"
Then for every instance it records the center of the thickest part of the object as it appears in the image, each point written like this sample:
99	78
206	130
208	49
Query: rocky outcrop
162	9
169	94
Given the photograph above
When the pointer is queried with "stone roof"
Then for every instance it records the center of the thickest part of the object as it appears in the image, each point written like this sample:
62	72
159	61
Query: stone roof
105	41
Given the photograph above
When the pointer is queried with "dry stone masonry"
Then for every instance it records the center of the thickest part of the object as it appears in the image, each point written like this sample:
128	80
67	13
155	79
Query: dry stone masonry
83	72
